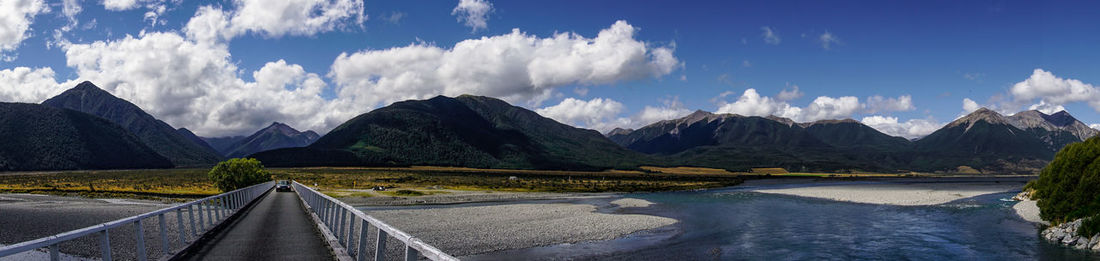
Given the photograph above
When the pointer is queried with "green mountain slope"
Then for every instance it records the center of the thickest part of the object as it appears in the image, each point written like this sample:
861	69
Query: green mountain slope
156	134
37	137
469	131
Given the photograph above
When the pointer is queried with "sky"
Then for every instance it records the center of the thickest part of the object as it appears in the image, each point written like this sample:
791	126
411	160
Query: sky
222	68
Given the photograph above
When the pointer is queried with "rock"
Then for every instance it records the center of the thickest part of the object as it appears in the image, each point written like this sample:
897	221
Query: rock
1082	243
1057	234
1069	240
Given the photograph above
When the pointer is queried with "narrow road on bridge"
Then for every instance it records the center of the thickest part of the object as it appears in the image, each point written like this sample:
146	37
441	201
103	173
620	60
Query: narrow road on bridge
276	228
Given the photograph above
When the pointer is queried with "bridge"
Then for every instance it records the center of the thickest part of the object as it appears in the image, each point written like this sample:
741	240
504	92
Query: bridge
253	223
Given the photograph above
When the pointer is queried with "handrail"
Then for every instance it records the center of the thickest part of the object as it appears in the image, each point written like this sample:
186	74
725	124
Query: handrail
217	208
334	214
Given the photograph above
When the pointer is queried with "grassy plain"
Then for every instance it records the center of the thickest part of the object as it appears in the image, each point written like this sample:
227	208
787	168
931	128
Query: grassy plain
193	183
353	182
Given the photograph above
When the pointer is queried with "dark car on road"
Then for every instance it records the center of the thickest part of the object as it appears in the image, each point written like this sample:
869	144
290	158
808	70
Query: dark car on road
283	185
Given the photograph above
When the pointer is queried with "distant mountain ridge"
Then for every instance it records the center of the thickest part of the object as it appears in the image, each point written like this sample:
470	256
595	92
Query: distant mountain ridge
469	131
274	136
740	142
39	137
162	138
982	139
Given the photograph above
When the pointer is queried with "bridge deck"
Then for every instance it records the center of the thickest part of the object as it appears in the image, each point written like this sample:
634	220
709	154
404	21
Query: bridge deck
276	228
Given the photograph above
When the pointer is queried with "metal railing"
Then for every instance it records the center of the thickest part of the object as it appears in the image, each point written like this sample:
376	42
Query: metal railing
339	217
202	215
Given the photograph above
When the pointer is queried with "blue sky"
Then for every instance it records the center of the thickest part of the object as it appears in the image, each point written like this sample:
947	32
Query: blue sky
922	58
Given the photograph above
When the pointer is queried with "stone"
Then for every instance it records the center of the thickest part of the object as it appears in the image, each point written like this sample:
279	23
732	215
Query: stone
1057	234
1082	243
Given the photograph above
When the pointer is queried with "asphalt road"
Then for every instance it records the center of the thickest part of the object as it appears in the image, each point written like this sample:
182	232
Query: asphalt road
276	228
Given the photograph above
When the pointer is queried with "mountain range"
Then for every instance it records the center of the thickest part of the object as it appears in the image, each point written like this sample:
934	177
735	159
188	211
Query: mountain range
158	135
469	131
275	136
483	132
984	139
38	137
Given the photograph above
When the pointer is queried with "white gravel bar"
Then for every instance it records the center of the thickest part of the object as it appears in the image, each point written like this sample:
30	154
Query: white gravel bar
464	231
1029	210
903	194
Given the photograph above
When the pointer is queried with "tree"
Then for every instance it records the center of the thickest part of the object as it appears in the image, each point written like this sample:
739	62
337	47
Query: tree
233	174
1069	187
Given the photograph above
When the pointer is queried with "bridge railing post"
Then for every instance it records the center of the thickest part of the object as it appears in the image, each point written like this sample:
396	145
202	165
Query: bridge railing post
163	223
179	225
342	226
55	254
191	212
139	236
105	245
411	254
380	246
361	253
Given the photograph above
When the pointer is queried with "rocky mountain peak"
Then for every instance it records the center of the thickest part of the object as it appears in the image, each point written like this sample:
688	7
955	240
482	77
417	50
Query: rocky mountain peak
983	114
619	131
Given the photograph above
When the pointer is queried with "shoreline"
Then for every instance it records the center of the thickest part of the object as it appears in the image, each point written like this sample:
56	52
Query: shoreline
899	192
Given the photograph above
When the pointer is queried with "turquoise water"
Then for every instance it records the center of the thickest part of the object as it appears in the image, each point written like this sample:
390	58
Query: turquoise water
735	224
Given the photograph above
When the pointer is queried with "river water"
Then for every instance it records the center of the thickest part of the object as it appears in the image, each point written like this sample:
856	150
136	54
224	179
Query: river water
736	224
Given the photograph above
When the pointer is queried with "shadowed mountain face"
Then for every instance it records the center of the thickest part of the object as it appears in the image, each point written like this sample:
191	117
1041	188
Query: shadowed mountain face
38	137
194	138
1024	142
156	134
275	136
470	131
738	142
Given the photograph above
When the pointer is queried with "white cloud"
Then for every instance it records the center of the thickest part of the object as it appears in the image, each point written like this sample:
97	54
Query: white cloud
1095	126
16	17
22	84
911	129
876	104
827	40
823	108
197	86
275	18
672	108
394	17
516	67
209	25
751	103
473	13
1054	91
790	94
1046	108
769	35
603	114
120	5
598	113
970	105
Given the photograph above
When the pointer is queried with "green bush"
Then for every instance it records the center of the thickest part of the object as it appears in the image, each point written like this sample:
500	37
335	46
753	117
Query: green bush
233	174
1090	226
1069	187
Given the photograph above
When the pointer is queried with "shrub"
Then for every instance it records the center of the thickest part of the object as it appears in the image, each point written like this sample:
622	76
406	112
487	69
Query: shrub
1069	187
233	174
406	192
